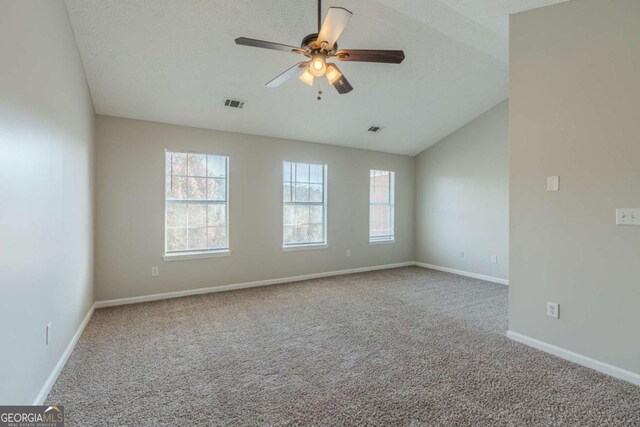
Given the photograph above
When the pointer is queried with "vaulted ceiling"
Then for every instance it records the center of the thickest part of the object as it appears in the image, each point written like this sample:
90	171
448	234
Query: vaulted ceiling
175	61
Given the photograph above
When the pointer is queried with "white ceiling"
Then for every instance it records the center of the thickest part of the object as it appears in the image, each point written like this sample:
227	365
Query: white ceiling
174	61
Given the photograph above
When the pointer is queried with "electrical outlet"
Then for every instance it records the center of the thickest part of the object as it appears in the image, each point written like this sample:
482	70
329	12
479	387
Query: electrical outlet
348	252
494	259
462	254
47	333
154	271
553	309
628	216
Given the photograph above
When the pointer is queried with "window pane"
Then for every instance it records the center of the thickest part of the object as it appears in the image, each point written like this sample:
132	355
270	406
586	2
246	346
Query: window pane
302	234
381	204
178	164
316	214
287	192
197	165
303	209
216	166
302	193
380	195
286	172
317	172
379	221
197	215
217	215
176	239
302	172
176	214
315	193
301	214
216	189
315	233
289	214
288	234
216	238
176	187
197	238
197	188
382	180
191	225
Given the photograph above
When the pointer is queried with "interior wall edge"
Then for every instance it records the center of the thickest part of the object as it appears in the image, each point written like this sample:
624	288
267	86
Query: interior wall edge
462	198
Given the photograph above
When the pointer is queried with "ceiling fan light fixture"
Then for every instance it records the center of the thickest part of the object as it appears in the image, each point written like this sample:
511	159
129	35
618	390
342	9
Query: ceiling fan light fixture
307	77
318	65
332	73
320	46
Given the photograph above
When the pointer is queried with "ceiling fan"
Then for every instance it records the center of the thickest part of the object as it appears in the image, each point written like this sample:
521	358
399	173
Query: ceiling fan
321	46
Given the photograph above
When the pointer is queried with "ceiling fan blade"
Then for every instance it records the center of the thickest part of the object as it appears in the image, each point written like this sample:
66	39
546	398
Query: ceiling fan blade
264	44
342	85
333	25
294	71
371	55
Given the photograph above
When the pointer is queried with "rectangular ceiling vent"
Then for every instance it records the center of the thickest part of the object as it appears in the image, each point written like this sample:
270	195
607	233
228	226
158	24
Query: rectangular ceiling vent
375	129
234	103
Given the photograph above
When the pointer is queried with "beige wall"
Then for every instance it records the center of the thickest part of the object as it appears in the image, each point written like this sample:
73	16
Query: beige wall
130	209
46	171
575	112
462	198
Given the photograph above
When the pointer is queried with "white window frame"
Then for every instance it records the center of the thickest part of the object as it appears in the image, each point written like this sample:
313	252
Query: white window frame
307	246
390	239
205	253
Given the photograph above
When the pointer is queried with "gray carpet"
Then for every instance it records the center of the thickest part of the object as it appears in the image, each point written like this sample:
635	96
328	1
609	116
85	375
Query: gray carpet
399	347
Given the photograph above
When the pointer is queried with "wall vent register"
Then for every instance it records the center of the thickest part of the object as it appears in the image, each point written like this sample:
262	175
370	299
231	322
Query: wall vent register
234	103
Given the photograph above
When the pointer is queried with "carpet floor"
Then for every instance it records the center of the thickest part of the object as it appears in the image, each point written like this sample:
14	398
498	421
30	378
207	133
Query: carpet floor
408	346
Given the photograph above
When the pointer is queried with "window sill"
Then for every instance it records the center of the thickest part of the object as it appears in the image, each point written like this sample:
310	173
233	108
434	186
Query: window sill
195	255
383	242
304	247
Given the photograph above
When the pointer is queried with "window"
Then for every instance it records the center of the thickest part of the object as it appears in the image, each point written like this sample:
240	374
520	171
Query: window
305	207
196	203
381	210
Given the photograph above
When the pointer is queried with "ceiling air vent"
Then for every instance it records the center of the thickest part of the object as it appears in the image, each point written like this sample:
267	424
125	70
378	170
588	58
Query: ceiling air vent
375	129
234	103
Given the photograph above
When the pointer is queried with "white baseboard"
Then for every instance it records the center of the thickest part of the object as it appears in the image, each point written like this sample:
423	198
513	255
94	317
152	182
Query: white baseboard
223	288
571	356
46	388
464	273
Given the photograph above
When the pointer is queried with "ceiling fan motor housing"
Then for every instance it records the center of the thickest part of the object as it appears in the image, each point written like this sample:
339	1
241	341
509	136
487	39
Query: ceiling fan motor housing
310	42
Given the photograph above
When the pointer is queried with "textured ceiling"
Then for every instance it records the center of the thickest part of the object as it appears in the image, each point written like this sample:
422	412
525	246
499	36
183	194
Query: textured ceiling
174	61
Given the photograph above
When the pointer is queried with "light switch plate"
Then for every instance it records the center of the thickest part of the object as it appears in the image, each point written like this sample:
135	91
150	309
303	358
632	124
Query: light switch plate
628	216
553	183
